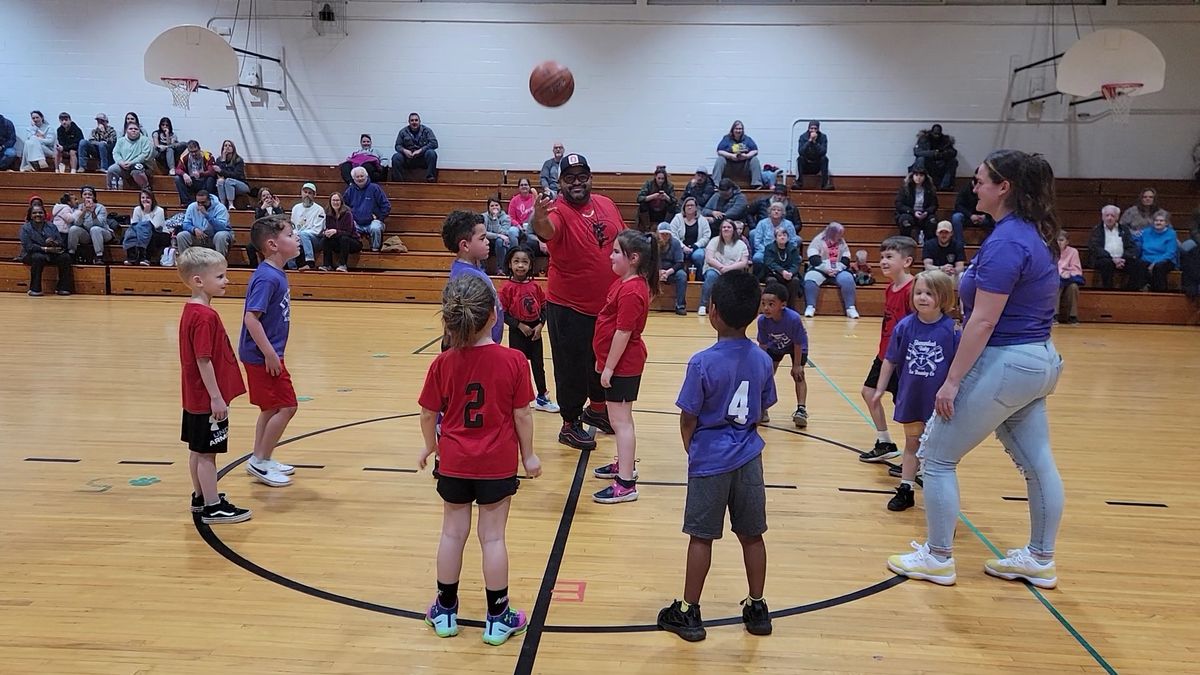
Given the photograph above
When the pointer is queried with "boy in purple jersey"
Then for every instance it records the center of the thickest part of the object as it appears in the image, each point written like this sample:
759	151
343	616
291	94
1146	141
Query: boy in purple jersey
920	351
464	235
781	333
725	391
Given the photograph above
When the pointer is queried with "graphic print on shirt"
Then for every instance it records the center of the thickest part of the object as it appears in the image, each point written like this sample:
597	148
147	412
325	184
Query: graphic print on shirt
924	357
780	342
285	305
598	228
528	305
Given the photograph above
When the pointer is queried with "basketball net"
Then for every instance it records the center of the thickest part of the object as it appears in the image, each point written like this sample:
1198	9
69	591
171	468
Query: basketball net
181	90
1119	97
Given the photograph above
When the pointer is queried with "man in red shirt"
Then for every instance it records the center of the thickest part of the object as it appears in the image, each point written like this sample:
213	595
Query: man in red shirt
579	229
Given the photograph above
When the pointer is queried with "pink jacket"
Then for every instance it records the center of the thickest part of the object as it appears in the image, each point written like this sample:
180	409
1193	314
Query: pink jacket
1068	263
520	209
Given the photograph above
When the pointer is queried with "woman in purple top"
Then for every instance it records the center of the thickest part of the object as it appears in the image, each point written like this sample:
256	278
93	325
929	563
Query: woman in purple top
1003	370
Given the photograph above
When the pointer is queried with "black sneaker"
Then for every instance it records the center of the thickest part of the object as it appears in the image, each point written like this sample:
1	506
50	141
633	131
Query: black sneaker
573	435
756	616
223	512
681	311
903	500
800	417
894	471
598	420
881	452
198	501
687	625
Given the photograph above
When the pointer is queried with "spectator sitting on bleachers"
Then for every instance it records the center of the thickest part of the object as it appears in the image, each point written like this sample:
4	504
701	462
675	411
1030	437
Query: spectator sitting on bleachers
416	146
40	245
195	171
1160	250
147	234
1141	215
781	261
231	175
763	235
340	235
39	143
308	220
916	205
68	136
701	187
779	195
672	266
944	252
741	151
940	156
966	213
268	204
656	200
501	233
205	223
99	143
548	176
366	156
91	223
725	252
813	156
729	202
132	118
1112	248
167	147
1189	259
8	143
829	261
692	231
63	215
369	204
520	207
1070	278
131	160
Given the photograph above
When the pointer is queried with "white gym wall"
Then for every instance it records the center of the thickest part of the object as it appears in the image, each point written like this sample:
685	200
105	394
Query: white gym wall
654	84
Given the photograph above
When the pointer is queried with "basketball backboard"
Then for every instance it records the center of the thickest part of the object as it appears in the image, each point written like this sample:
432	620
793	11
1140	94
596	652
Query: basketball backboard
1111	55
193	52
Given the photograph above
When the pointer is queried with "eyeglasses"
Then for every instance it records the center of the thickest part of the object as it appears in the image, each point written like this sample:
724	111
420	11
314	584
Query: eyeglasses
572	178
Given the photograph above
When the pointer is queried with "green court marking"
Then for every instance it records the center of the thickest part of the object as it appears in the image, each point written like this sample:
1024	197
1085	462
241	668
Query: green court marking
142	481
302	399
384	356
995	551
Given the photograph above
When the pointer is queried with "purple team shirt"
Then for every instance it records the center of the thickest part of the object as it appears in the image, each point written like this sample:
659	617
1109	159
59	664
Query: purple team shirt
780	337
727	387
1014	261
921	353
270	296
463	267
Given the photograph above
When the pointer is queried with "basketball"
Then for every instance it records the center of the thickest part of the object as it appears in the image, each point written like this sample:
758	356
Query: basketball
551	84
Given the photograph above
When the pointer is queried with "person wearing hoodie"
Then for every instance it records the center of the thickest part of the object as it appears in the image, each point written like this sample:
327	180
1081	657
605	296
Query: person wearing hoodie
940	156
416	147
67	139
779	194
308	219
91	222
369	205
728	203
1160	250
39	143
205	223
131	159
916	205
813	157
701	187
40	246
8	142
829	261
195	171
740	150
366	156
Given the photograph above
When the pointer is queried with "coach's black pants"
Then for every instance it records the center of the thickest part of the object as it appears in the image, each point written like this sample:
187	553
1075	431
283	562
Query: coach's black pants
574	361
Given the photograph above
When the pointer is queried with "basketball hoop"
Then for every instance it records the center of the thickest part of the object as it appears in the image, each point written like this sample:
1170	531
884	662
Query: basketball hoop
1119	96
181	90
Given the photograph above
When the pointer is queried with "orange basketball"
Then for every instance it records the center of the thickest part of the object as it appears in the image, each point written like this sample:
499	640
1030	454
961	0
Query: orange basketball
551	84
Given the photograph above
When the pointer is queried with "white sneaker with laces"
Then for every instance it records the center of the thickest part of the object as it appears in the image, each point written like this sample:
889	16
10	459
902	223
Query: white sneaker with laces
544	404
263	474
285	469
810	312
1020	564
852	312
703	311
920	564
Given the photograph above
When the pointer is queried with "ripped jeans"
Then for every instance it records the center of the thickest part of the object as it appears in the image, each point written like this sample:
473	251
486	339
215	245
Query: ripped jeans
1005	391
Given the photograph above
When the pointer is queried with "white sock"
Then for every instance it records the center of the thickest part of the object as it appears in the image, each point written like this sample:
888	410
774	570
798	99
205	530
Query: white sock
883	437
909	483
261	463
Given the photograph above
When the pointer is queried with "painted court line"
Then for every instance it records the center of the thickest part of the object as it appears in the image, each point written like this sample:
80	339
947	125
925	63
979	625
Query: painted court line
1156	505
995	551
59	460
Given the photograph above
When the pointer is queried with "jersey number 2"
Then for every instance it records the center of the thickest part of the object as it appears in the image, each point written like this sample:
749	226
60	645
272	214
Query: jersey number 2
472	418
739	406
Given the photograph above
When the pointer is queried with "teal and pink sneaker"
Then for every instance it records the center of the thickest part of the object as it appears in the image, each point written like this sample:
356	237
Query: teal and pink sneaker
497	629
443	621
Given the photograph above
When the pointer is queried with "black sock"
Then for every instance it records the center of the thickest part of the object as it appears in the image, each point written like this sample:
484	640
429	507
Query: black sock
626	483
497	601
447	594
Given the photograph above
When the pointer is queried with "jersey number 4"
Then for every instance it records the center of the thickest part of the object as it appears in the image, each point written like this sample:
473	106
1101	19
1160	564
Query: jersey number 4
739	406
472	417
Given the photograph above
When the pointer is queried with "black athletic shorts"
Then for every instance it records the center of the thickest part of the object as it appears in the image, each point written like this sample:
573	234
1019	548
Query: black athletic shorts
777	357
623	389
478	490
203	435
873	378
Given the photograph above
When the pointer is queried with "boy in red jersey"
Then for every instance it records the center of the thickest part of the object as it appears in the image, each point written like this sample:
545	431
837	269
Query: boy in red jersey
210	381
895	257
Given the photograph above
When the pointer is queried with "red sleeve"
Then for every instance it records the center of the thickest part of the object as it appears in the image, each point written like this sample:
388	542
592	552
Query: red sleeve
632	307
540	296
523	394
431	394
205	334
506	297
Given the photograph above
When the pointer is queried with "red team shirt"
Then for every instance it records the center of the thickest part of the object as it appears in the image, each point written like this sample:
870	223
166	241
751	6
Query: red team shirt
477	389
523	300
897	304
626	308
579	262
202	335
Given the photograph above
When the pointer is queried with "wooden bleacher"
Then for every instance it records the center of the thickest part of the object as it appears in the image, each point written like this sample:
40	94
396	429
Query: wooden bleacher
862	203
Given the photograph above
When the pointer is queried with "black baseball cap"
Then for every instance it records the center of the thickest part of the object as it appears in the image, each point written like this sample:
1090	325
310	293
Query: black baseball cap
573	160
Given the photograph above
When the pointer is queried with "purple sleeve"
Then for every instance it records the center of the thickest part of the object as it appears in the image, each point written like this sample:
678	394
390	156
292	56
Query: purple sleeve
799	335
998	267
258	294
769	396
762	338
691	394
896	344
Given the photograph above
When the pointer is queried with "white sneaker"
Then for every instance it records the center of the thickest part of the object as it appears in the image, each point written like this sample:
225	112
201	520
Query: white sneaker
285	469
810	312
852	312
263	474
74	170
920	564
62	168
703	311
1020	564
544	404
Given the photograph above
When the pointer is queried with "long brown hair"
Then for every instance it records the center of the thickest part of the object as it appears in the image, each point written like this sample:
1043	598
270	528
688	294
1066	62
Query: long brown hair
1032	195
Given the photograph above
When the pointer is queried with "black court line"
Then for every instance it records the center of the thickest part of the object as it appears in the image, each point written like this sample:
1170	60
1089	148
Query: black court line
309	466
389	469
1014	498
425	346
59	460
1155	505
147	462
870	491
537	620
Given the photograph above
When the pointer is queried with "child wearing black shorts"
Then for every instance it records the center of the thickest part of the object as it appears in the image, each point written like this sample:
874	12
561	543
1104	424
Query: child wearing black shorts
781	333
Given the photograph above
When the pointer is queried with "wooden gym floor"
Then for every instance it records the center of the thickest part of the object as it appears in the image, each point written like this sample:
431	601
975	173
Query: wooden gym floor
103	571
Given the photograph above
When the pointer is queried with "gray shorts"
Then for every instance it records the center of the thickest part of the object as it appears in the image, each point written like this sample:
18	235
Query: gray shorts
742	491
